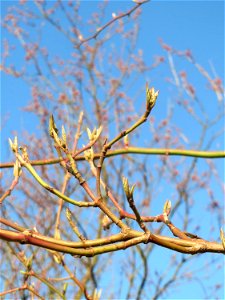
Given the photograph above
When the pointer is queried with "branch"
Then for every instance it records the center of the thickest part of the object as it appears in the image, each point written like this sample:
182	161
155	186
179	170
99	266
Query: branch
99	30
52	190
130	150
192	246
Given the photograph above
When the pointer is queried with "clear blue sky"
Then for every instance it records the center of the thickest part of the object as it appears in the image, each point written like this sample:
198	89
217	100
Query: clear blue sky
195	25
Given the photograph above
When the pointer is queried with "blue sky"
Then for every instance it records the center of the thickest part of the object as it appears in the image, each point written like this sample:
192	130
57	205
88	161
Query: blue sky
195	25
183	24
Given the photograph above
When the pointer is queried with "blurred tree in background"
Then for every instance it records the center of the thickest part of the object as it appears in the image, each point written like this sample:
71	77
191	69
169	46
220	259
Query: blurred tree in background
102	175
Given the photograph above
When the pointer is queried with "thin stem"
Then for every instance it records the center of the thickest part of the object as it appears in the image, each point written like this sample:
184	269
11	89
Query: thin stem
67	176
77	281
128	13
11	188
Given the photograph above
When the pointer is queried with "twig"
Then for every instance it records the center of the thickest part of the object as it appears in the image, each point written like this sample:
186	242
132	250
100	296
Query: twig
21	288
9	191
130	150
94	36
77	281
73	226
151	97
67	176
52	190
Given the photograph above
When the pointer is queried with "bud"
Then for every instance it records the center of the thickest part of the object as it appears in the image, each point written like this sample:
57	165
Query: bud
151	96
97	294
167	207
89	154
125	186
127	189
68	213
17	170
57	257
52	126
14	145
57	234
29	263
65	288
126	141
10	143
63	134
106	222
93	136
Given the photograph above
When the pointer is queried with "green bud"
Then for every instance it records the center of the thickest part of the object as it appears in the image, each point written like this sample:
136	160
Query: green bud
151	96
14	145
29	263
52	126
127	189
63	134
68	213
126	186
167	207
17	170
94	135
89	154
65	288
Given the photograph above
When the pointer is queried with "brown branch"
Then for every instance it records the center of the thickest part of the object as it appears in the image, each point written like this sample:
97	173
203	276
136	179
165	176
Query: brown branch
192	246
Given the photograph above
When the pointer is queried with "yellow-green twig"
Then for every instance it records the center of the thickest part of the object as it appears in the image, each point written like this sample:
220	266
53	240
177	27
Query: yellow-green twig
52	190
131	150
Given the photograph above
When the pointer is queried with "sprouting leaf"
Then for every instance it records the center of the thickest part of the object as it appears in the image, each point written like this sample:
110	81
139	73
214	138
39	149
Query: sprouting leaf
132	189
127	189
151	96
63	134
16	142
57	257
52	126
167	207
65	288
98	132
125	186
97	294
17	170
89	133
14	145
29	262
93	136
10	143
